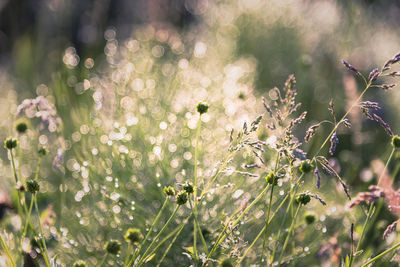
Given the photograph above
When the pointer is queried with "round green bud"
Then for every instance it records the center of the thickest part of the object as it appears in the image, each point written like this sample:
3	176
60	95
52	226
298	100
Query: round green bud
32	186
10	143
113	247
188	187
79	263
306	166
303	198
181	198
396	141
21	127
169	191
133	236
226	263
271	178
309	217
43	151
202	107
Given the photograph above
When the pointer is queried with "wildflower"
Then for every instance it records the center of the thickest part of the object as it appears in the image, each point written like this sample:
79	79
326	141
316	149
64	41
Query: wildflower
306	166
390	229
21	127
79	263
43	151
202	107
311	132
181	198
303	198
373	75
384	124
32	186
169	191
349	66
188	187
396	141
133	236
10	143
316	172
309	217
272	178
334	141
113	247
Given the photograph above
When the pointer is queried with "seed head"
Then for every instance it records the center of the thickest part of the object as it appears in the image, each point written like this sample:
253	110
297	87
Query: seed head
202	107
306	166
21	127
309	217
10	143
133	236
169	191
43	151
113	246
396	141
181	198
272	178
32	186
79	263
303	198
188	187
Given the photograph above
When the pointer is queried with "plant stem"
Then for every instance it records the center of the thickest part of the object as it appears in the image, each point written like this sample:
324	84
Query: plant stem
266	225
180	228
289	233
157	236
4	245
381	255
196	151
368	85
148	233
45	256
104	260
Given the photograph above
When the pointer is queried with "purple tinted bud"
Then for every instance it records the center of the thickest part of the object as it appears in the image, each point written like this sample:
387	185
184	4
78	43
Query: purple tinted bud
373	74
349	66
334	141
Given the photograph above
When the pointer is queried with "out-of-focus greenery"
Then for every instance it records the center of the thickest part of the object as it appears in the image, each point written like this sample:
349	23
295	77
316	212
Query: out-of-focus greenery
126	87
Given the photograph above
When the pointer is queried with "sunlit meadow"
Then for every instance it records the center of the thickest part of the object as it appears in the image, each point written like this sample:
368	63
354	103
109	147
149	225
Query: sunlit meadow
263	134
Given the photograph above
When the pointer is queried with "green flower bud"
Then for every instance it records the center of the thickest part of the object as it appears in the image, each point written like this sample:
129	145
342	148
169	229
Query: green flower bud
79	263
303	198
113	247
32	186
306	166
10	143
169	191
21	127
43	151
396	141
271	178
202	107
188	187
309	217
133	236
181	198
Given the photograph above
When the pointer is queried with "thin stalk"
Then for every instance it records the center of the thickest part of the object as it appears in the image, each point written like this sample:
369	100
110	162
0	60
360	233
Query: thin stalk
368	85
148	233
170	245
381	255
46	255
289	233
104	260
196	152
158	235
266	225
4	245
196	225
130	249
371	206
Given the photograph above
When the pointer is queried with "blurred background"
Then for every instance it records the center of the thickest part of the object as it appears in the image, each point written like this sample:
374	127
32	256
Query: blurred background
51	47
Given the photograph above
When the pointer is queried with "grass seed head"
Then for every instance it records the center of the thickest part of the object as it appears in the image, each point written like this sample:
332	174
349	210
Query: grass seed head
181	198
272	178
306	166
303	198
396	141
188	187
169	191
32	186
133	236
21	127
79	263
202	107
